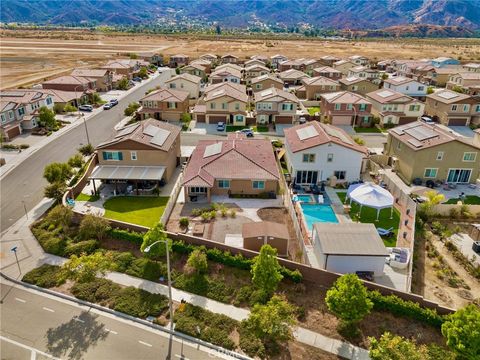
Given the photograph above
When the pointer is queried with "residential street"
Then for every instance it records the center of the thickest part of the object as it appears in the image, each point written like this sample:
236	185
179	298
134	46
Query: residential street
69	331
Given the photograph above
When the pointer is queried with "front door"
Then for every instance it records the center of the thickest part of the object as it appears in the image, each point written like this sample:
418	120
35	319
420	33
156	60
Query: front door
459	175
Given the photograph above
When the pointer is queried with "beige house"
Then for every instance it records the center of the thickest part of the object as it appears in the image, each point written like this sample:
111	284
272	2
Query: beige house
359	59
254	62
178	60
185	82
206	64
139	157
102	77
440	76
233	166
164	104
210	57
450	108
364	72
328	72
224	102
469	82
274	106
266	82
344	66
229	59
226	73
253	71
312	88
431	152
328	60
195	70
125	67
472	67
357	85
292	77
257	234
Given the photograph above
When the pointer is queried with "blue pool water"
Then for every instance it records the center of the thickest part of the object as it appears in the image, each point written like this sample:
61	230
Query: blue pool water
314	213
304	198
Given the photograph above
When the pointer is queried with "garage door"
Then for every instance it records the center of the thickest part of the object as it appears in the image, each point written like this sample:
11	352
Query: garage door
13	132
342	120
457	122
200	117
283	120
216	119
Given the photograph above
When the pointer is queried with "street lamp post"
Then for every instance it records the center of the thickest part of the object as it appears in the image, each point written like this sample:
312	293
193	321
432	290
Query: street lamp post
83	116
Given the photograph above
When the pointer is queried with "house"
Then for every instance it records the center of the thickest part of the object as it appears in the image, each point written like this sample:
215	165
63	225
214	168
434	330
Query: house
19	110
406	86
185	82
265	82
229	59
263	58
394	108
224	102
206	64
346	108
101	77
151	57
178	60
210	57
164	104
277	59
257	234
274	106
364	72
139	158
407	68
471	67
328	72
71	83
444	61
440	76
344	66
315	152
62	98
310	65
450	108
357	85
433	152
125	67
349	248
254	71
328	60
210	172
292	77
468	82
384	65
312	88
226	73
254	62
359	59
196	70
297	64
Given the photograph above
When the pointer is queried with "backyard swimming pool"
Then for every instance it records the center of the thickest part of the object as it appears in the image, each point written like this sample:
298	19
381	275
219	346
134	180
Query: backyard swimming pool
314	213
304	198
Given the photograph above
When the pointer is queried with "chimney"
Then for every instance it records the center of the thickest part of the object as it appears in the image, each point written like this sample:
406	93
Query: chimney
476	137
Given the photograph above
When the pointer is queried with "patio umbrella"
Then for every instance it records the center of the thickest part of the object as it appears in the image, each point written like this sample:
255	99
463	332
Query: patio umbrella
373	196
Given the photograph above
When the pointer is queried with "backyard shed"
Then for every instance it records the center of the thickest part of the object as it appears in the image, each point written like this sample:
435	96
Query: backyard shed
256	234
349	248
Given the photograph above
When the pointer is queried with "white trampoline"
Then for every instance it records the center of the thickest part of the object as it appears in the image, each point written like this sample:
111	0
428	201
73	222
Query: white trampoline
370	195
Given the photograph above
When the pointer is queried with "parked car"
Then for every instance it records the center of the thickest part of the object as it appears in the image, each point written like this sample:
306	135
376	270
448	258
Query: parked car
114	102
428	120
221	126
107	106
88	108
247	132
137	79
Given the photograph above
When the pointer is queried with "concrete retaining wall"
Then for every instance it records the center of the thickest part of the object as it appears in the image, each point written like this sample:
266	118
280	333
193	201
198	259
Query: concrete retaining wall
444	209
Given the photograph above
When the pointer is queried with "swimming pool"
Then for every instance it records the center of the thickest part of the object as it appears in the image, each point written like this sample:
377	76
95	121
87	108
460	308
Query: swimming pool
314	213
304	198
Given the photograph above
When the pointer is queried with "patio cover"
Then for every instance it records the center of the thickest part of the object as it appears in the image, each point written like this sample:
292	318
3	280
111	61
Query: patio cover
371	195
112	172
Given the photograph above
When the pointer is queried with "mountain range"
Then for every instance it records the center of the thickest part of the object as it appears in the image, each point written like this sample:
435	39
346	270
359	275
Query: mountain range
335	14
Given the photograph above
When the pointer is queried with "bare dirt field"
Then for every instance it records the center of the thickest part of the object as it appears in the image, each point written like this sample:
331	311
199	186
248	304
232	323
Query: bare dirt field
29	56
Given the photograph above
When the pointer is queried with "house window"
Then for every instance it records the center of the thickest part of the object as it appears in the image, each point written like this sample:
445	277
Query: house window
133	155
430	173
21	111
198	190
239	118
258	86
414	108
338	106
421	88
399	145
308	158
477	109
306	177
224	106
3	118
366	119
469	156
363	107
48	100
466	107
113	155
237	106
440	155
407	88
454	107
10	115
354	88
212	105
287	107
258	184
171	105
340	175
224	184
349	107
173	86
329	157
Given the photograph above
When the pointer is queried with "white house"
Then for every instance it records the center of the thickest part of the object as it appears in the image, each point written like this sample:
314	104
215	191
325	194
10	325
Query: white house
185	82
315	152
348	248
406	86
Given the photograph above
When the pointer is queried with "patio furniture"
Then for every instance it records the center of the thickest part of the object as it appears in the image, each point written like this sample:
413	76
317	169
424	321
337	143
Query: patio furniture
321	199
472	186
70	202
417	181
430	184
385	232
446	187
315	189
452	185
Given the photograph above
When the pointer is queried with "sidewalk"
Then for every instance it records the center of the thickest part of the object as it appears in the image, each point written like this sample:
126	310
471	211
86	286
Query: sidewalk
31	255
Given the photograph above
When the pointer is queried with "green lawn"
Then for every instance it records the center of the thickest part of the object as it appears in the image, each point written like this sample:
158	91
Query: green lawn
232	128
367	129
85	197
469	200
145	211
369	215
260	128
312	110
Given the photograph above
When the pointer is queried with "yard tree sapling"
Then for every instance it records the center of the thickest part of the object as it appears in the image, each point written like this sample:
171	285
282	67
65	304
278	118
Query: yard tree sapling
57	172
153	235
55	191
85	268
93	227
197	263
46	117
266	271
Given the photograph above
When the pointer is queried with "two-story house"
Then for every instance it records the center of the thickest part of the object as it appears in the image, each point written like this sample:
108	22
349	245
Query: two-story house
359	59
230	59
185	82
471	67
253	71
71	83
357	85
210	57
292	77
225	102
328	72
450	108
274	106
444	61
297	64
468	82
310	65
344	66
316	152
255	61
178	60
206	64
102	78
346	108
125	67
364	72
277	59
196	70
440	76
266	82
139	157
431	152
226	73
328	60
151	57
394	108
406	86
312	88
164	104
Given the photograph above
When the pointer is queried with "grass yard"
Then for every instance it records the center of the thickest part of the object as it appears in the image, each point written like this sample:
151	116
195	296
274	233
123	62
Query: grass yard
367	129
85	197
260	128
314	109
369	215
233	128
145	211
469	200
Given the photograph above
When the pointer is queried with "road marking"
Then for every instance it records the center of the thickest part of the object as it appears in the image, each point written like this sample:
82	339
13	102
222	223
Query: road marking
33	350
79	320
144	343
48	309
20	300
111	331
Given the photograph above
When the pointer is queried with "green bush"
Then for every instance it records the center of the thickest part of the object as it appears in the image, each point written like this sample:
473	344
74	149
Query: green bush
218	337
196	284
252	345
122	260
54	245
97	291
147	269
82	247
184	222
242	295
126	235
139	303
45	276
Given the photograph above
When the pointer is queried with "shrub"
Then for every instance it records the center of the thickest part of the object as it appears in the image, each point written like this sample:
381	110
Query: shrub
60	215
233	213
96	291
76	161
86	150
249	343
243	295
184	222
197	262
122	260
55	191
139	303
218	337
45	276
93	226
82	247
57	172
147	269
130	236
54	245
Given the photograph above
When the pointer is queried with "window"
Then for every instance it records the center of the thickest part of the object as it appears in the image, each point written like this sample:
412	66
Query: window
308	158
171	105
363	107
112	155
407	88
440	155
477	108
287	107
198	190
414	108
329	157
133	155
3	118
10	115
338	106
366	119
454	107
349	106
421	88
430	173
258	86
466	107
224	106
237	106
239	118
224	184
21	111
212	105
258	184
48	100
399	145
469	156
306	177
173	86
354	88
340	175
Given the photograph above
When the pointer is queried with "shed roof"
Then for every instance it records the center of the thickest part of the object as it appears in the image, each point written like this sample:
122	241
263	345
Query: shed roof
264	228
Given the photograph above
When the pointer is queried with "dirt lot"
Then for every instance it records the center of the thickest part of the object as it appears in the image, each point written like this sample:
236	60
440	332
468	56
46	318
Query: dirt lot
45	54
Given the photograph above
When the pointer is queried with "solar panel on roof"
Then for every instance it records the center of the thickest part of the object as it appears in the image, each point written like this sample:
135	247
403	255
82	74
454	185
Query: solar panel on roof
12	94
127	130
415	143
307	132
212	149
151	130
421	133
448	95
160	137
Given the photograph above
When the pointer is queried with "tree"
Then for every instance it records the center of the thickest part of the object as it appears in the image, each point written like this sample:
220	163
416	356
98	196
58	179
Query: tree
55	191
85	268
155	234
96	99
218	30
86	149
58	108
143	73
93	227
69	108
46	117
76	161
433	198
462	331
57	172
272	322
132	107
123	84
392	347
430	90
458	89
197	262
348	300
266	270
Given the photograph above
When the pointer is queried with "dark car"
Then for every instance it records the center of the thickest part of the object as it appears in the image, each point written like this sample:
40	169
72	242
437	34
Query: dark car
114	102
137	79
107	106
88	108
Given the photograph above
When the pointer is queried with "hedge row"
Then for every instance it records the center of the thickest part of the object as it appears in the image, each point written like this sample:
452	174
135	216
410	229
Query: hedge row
398	306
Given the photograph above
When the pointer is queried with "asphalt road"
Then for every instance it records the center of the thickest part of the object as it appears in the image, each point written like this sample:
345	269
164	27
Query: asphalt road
26	182
34	323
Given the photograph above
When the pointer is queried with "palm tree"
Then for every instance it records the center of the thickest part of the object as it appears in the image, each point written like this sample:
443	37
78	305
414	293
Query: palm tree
433	198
